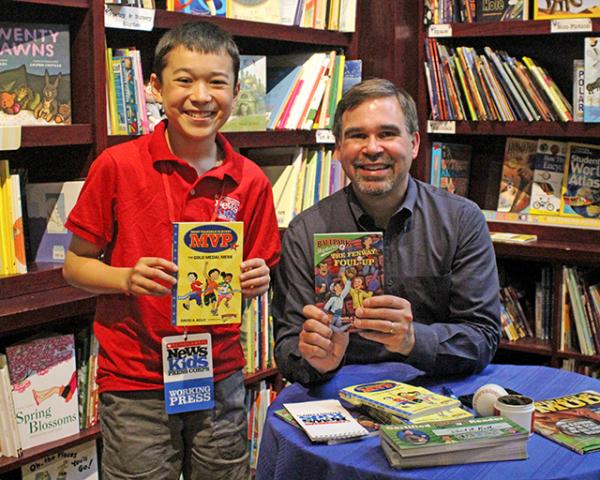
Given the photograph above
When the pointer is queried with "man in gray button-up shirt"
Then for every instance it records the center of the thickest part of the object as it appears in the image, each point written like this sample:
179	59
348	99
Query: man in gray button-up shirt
440	308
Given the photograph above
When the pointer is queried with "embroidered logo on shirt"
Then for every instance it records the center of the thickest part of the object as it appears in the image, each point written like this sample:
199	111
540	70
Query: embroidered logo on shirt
227	209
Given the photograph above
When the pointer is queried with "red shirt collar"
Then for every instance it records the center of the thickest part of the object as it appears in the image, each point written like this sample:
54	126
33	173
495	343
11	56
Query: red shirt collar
232	165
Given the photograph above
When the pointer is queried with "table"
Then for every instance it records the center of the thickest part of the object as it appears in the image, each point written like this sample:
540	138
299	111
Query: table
286	453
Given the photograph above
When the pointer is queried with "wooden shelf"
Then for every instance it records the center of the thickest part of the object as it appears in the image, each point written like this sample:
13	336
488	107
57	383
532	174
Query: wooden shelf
31	454
528	345
251	378
529	129
578	356
60	3
510	29
80	134
550	251
40	277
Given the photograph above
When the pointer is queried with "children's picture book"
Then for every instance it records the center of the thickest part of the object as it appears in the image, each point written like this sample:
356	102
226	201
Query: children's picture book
35	74
572	420
548	172
199	7
352	74
591	80
44	388
76	463
471	440
517	175
268	11
581	183
10	441
48	206
325	420
555	9
502	10
384	417
578	89
209	257
508	237
249	111
450	167
348	269
401	399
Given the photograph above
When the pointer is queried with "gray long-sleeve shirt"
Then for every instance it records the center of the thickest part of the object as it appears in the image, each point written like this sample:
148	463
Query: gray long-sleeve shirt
438	256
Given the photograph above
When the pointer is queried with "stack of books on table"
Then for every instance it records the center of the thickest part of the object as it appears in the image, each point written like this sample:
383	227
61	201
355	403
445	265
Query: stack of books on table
484	439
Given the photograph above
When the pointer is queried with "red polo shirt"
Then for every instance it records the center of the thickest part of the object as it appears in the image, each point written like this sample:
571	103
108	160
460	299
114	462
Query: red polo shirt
123	209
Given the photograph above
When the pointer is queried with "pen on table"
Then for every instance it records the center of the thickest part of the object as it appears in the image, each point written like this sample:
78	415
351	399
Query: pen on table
449	393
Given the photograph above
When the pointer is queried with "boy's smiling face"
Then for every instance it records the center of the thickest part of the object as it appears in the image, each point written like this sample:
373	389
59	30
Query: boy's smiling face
197	92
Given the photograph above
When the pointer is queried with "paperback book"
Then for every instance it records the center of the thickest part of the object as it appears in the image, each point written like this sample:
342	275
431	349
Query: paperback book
325	420
450	167
502	10
44	388
508	237
76	463
35	74
409	402
209	255
548	172
348	269
572	420
472	440
555	9
581	185
198	7
517	175
591	76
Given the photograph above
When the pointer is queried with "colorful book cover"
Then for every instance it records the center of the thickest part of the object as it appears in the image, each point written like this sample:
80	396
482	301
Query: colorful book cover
76	463
451	167
352	74
578	89
348	269
555	9
249	111
44	388
572	420
548	172
48	206
591	75
517	175
502	10
35	74
201	7
208	257
268	11
581	184
400	399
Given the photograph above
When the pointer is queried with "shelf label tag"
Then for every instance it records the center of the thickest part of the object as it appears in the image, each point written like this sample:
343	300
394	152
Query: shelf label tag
324	136
10	137
569	25
440	30
129	18
441	126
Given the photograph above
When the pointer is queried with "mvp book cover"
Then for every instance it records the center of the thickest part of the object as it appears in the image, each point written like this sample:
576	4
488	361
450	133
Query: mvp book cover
44	388
35	74
209	257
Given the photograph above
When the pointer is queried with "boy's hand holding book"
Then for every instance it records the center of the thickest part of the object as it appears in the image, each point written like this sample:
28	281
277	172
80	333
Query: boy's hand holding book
255	277
151	276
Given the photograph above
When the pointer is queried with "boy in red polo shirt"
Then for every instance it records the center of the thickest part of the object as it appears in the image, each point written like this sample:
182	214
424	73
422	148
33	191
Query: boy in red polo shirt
122	230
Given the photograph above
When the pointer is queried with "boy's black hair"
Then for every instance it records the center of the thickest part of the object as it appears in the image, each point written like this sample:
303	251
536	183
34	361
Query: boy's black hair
202	37
194	274
212	270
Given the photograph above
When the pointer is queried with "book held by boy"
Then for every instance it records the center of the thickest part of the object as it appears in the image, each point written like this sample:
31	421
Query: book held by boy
401	399
571	420
209	257
348	270
325	420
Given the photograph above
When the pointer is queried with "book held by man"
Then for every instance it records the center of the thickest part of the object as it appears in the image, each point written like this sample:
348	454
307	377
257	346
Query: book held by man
571	420
209	257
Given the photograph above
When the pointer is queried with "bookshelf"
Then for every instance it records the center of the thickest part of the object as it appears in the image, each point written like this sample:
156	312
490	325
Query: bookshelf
556	245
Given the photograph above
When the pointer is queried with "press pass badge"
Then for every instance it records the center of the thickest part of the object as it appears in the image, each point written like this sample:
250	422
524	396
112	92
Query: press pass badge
188	372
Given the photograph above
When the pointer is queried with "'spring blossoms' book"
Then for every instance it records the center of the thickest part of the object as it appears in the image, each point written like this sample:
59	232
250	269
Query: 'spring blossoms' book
400	399
572	420
44	388
348	269
208	257
35	74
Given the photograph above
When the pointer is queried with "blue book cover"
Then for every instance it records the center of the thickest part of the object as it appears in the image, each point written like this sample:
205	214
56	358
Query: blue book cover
352	74
201	7
35	74
279	92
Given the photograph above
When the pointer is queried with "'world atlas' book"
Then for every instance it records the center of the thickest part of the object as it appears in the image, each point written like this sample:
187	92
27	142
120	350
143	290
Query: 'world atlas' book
401	399
348	270
572	420
581	185
208	257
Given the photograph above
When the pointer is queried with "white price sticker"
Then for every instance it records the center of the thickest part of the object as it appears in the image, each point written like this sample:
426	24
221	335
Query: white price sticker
324	136
441	30
570	25
441	126
129	18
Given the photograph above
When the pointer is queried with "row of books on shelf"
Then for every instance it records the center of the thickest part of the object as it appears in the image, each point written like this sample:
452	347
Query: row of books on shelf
469	11
464	84
256	335
257	402
337	15
574	365
48	390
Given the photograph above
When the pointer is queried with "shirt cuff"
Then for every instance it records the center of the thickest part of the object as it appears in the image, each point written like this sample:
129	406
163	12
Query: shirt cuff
425	351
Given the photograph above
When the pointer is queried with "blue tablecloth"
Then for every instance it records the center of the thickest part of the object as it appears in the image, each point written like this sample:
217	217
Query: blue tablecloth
286	453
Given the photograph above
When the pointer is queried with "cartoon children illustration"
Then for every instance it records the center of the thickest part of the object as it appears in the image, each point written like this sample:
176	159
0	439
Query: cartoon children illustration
335	304
358	292
210	297
225	290
195	292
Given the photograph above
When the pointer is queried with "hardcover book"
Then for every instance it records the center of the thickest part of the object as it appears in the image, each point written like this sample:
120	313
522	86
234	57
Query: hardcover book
209	255
348	269
44	388
35	74
517	175
268	11
502	10
591	80
548	172
76	463
450	167
572	420
401	399
555	9
325	420
199	7
581	185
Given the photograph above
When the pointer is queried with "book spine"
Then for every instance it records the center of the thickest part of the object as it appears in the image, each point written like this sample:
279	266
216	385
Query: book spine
543	83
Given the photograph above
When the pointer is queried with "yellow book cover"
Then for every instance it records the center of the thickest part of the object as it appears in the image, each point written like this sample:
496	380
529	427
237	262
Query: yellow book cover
581	182
401	399
209	257
555	9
